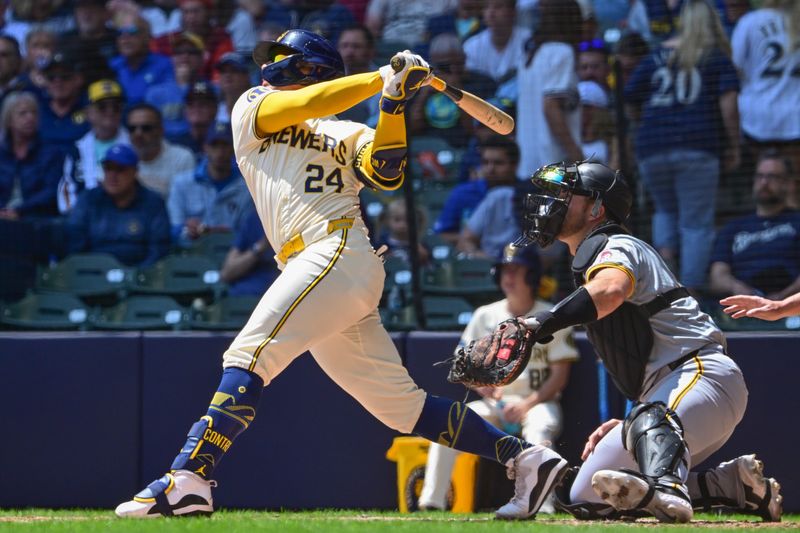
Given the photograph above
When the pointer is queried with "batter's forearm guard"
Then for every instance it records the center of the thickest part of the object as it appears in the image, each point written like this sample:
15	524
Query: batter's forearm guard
381	168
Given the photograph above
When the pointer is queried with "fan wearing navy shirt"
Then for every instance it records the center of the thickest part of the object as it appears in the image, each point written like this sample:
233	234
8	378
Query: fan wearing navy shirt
687	92
760	253
121	217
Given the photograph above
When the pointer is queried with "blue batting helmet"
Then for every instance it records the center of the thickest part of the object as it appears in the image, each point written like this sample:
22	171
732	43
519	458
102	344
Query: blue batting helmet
310	58
527	256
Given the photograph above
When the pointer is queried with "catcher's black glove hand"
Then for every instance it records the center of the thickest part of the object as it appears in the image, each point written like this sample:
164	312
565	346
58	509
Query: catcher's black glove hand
494	360
536	323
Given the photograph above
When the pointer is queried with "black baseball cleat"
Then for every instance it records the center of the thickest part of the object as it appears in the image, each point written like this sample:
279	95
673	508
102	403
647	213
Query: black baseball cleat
180	493
626	490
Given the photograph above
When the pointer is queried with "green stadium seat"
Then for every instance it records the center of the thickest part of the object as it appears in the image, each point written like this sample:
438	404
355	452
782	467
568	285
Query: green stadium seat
433	201
143	312
402	319
441	250
229	313
433	159
446	312
46	311
183	277
214	246
469	278
98	279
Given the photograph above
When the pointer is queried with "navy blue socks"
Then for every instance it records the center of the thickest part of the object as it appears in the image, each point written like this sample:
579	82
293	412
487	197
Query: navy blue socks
232	409
454	425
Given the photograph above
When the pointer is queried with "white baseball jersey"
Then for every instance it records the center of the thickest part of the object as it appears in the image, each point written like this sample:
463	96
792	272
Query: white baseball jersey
326	298
770	71
484	321
300	176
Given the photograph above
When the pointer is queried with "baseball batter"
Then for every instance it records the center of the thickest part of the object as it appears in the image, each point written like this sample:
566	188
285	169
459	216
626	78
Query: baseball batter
660	349
532	401
304	169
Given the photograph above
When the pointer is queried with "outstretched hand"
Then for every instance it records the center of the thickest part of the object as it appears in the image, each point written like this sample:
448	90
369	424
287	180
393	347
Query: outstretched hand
597	435
752	306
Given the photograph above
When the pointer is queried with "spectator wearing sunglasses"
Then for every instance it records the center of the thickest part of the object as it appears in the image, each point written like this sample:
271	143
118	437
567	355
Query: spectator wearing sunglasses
159	159
63	114
496	50
593	63
83	169
136	66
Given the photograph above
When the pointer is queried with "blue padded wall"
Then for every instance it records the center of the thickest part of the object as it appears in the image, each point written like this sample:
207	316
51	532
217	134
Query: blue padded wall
71	421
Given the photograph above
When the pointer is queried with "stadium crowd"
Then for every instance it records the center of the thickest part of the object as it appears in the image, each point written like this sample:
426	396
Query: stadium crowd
115	135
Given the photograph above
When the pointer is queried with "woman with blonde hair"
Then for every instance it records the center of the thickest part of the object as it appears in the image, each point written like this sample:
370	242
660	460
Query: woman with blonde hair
686	92
766	49
29	168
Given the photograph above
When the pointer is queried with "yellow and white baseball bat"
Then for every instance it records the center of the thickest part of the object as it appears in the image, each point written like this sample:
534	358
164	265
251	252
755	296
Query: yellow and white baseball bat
477	108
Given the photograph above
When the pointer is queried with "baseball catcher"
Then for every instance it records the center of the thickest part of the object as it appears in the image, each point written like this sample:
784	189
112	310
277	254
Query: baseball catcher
660	349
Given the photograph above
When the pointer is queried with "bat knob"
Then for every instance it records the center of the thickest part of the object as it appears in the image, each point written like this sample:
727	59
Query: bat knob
397	63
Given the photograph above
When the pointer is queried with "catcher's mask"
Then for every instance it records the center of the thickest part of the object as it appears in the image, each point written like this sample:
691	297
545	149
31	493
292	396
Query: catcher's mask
298	57
544	212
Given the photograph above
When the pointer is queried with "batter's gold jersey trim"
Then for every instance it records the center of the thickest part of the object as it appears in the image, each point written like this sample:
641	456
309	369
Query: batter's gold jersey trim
691	384
299	299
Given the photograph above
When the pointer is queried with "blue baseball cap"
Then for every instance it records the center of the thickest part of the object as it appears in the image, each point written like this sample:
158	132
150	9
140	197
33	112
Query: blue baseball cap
122	155
234	59
219	131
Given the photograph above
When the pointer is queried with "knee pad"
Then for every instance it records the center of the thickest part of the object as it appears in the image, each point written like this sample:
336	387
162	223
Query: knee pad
653	434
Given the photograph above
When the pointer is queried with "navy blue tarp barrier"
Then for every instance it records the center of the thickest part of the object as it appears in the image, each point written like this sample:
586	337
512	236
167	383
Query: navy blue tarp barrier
71	418
90	418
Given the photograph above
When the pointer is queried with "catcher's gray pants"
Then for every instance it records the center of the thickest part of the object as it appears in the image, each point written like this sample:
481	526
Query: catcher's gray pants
708	393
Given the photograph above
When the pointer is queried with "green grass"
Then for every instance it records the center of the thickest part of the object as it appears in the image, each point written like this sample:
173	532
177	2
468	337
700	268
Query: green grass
335	521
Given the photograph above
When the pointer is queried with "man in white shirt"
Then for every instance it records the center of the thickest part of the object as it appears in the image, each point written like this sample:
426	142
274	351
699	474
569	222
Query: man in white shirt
496	50
548	109
159	160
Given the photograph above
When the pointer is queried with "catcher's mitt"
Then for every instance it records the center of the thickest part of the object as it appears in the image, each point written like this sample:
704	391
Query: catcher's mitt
496	359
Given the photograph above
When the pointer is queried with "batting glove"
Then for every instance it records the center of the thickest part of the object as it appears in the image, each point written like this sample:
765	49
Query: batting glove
412	73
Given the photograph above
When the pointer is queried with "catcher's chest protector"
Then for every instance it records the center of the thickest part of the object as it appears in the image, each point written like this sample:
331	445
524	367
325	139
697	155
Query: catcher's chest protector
623	339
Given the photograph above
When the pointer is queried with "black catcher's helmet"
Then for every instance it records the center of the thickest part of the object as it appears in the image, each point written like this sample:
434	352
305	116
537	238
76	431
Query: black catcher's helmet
544	212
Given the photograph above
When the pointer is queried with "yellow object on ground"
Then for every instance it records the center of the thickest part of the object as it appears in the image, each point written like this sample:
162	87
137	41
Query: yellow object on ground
411	454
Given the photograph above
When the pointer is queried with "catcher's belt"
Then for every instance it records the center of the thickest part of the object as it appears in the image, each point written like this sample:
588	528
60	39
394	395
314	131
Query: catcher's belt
298	243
